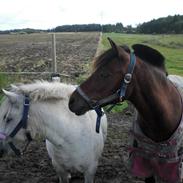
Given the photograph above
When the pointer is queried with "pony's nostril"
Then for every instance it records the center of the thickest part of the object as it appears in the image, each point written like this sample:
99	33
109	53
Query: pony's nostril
1	153
71	103
72	100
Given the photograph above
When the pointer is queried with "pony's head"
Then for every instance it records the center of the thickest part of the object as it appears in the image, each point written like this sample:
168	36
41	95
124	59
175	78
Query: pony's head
11	110
109	69
112	79
14	109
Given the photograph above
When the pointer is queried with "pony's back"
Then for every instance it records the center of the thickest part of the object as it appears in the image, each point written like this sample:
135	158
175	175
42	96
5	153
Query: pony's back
178	81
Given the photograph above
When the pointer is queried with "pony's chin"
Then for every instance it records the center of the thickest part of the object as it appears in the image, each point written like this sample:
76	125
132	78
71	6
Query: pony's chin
78	110
1	153
79	113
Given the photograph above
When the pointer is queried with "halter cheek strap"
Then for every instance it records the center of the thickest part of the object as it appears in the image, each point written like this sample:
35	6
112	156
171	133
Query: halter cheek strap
128	77
23	121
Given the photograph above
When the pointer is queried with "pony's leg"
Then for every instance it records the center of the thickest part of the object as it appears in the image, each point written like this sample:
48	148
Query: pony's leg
63	179
89	177
90	173
64	176
150	180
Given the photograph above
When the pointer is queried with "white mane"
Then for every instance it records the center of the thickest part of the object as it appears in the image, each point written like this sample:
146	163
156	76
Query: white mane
42	90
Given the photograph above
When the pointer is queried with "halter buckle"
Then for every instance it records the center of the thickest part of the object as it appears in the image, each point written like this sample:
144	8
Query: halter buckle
26	102
128	78
121	98
93	104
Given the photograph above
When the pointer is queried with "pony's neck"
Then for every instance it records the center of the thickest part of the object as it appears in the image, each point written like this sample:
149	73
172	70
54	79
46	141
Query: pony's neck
157	101
43	121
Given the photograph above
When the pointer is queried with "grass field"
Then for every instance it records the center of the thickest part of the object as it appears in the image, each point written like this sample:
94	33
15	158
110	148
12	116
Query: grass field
171	46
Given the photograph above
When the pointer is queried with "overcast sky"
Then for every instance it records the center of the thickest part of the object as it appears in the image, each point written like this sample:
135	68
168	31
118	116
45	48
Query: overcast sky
45	14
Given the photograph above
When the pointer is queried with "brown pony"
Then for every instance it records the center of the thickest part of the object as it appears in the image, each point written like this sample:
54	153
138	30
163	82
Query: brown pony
142	79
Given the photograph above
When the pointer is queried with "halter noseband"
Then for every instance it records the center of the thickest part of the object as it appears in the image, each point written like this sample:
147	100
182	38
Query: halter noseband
21	124
121	93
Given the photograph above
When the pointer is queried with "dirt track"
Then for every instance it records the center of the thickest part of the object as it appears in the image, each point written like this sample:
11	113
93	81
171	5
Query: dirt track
74	51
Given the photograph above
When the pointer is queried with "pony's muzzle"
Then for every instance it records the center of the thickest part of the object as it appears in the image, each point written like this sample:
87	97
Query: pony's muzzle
77	104
2	136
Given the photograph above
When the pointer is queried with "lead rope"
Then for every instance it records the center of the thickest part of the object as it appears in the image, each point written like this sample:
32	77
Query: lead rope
100	113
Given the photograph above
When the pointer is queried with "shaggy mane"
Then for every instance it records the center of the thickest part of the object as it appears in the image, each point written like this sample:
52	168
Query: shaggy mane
146	53
107	55
43	90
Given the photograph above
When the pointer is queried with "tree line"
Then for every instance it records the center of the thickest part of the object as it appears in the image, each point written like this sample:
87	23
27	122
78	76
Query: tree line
118	27
167	25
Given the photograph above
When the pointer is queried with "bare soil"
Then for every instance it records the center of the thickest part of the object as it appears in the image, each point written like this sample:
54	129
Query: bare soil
74	54
33	53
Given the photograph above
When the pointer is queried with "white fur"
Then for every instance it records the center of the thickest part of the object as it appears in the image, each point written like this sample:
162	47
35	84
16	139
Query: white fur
177	80
71	141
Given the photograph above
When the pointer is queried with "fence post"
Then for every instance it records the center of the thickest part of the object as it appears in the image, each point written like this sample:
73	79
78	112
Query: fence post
55	76
54	54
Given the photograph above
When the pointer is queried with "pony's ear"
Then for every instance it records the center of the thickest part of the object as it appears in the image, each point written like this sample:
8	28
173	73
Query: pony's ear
113	45
11	95
119	51
14	87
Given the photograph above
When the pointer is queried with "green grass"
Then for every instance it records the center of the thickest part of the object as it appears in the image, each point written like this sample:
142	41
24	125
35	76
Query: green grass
171	46
3	84
5	81
117	108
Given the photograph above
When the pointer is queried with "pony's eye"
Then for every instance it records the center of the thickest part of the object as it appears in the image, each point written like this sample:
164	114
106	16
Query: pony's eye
104	74
8	120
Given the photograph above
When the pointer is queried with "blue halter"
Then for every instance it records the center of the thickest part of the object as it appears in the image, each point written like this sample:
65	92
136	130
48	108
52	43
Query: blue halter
21	124
23	121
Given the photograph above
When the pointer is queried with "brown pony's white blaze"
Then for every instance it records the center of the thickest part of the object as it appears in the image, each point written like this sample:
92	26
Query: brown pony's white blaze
155	97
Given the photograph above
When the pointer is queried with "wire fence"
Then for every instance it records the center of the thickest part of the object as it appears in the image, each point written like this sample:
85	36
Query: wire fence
38	56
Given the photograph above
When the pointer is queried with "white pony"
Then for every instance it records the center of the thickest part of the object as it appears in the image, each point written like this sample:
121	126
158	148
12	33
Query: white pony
178	80
71	141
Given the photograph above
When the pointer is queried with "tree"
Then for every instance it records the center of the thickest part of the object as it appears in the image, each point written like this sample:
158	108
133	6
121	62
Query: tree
119	28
